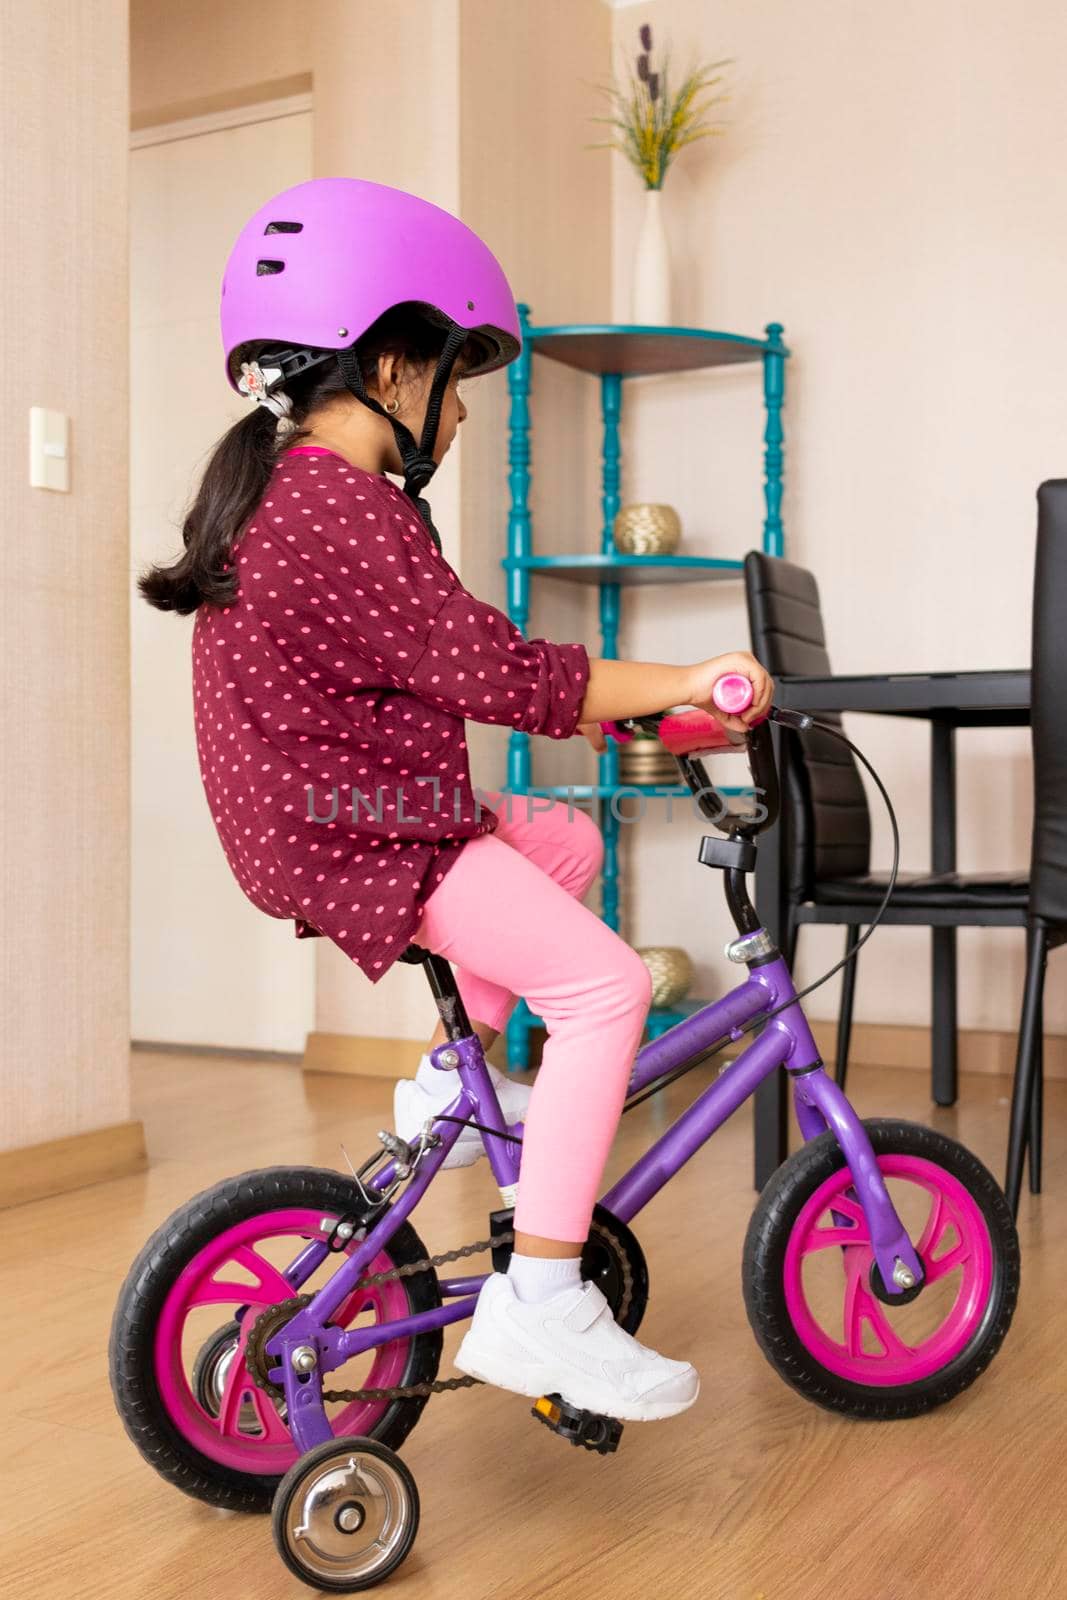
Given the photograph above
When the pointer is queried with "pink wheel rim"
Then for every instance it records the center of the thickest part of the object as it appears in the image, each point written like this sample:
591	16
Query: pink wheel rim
204	1283
863	1315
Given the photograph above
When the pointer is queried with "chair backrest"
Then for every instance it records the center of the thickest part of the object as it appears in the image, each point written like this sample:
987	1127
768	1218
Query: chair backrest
1048	861
828	824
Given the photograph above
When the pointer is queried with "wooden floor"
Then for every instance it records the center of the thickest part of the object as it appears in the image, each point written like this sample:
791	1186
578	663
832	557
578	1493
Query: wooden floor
753	1494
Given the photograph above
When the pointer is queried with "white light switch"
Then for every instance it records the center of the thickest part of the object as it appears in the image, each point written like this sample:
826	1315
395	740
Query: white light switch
49	449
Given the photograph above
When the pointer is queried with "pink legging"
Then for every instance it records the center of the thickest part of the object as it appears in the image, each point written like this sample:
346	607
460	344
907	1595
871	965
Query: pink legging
508	915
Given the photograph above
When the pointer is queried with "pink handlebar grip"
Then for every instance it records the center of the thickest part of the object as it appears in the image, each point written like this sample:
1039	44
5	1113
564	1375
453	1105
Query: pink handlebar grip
732	693
685	732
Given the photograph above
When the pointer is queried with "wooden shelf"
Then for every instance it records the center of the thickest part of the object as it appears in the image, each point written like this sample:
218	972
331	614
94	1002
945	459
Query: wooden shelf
613	353
600	568
586	791
633	352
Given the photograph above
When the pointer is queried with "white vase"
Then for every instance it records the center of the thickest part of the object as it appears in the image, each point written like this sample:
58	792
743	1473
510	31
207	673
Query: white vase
651	297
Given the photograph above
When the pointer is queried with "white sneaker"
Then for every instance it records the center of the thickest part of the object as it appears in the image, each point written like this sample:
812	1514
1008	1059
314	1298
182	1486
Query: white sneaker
412	1105
571	1345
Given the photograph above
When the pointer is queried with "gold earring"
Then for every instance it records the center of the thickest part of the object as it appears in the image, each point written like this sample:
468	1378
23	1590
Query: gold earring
392	407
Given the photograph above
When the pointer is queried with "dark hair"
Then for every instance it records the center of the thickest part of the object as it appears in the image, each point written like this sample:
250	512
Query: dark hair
236	477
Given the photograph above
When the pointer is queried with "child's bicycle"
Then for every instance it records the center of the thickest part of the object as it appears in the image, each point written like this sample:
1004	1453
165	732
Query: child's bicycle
880	1268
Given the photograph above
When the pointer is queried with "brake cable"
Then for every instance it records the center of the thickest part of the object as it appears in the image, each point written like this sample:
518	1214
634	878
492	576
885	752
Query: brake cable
757	1022
850	955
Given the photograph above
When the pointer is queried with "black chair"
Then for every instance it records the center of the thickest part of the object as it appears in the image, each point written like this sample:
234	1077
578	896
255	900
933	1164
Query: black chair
827	825
1046	920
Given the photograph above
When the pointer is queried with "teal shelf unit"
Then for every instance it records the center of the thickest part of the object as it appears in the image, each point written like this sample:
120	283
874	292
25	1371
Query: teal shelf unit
612	352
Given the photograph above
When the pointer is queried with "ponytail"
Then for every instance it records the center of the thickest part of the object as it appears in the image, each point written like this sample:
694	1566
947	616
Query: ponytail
233	484
236	477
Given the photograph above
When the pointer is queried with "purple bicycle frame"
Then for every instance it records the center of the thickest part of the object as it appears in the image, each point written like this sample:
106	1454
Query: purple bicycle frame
786	1041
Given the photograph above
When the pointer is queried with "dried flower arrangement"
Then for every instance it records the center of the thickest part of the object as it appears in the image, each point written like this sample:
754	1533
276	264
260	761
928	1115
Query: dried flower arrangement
651	124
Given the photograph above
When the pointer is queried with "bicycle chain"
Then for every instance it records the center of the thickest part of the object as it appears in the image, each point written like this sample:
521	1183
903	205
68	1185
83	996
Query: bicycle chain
257	1360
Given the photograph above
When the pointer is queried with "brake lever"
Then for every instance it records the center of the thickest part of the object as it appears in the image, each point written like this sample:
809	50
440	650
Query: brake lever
624	728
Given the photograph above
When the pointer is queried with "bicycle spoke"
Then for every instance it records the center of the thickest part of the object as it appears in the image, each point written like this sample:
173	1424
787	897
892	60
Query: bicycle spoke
942	1265
846	1206
274	1429
861	1306
938	1224
269	1287
823	1238
937	1221
238	1384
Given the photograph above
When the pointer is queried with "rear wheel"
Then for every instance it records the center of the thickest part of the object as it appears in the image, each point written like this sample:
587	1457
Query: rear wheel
186	1394
816	1301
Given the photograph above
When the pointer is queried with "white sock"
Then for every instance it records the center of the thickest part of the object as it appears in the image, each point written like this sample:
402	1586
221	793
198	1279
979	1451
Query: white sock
537	1277
442	1085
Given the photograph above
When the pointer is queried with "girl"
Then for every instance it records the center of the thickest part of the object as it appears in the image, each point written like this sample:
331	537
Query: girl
336	656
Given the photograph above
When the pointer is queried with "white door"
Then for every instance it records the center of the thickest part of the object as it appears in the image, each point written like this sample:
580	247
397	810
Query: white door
207	967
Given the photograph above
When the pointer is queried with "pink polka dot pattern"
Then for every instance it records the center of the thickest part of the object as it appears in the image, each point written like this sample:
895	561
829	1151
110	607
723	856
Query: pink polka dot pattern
330	699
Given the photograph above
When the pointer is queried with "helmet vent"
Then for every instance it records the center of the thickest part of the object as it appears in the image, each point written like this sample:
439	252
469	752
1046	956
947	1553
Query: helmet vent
265	268
284	227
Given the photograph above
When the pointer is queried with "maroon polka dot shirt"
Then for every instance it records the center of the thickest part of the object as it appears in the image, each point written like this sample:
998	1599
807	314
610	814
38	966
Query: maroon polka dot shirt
330	699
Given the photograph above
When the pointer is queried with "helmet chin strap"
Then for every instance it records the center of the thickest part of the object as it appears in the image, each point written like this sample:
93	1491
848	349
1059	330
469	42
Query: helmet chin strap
418	459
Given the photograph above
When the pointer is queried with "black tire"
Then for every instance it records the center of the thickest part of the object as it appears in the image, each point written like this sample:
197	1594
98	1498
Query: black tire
764	1288
165	1255
293	1485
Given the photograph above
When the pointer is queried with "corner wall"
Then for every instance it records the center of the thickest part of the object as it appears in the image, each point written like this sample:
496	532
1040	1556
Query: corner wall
64	714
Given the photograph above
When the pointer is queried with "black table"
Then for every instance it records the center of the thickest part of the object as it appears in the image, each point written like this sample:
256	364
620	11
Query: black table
947	700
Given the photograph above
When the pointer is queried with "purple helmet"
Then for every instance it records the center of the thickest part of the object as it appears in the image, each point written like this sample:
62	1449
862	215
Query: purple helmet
317	265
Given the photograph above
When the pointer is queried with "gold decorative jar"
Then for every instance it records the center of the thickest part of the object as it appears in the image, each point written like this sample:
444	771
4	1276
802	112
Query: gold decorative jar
672	972
643	759
647	530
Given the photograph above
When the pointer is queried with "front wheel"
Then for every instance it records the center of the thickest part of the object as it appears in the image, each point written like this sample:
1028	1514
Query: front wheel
824	1320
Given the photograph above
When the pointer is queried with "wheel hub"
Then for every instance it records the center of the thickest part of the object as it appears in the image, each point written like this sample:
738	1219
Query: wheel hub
896	1297
266	1326
350	1517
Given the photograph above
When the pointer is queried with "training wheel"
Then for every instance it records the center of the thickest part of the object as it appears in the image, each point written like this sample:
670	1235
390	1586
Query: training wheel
345	1515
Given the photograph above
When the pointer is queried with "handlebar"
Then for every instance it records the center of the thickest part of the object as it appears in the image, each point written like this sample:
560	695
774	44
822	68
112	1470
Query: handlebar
691	734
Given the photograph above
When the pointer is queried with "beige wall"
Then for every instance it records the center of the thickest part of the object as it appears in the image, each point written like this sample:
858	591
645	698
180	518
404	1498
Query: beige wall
188	57
490	133
892	188
64	795
207	967
492	130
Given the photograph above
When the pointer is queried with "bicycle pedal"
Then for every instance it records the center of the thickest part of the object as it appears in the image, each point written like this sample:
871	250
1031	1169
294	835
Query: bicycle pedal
585	1428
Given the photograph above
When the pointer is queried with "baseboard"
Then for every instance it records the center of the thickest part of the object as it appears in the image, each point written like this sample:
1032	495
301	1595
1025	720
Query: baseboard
356	1057
873	1044
40	1170
230	1052
886	1044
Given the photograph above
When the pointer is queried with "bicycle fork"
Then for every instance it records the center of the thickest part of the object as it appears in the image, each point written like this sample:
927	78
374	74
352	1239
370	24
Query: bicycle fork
821	1104
785	1042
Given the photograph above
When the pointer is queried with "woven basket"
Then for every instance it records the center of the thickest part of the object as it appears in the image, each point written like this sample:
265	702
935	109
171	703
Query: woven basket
647	530
672	972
